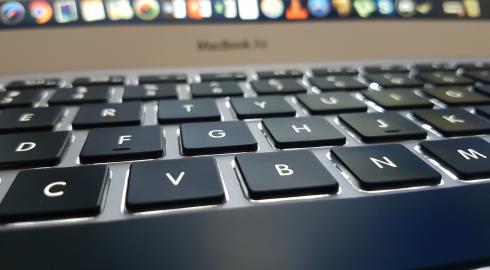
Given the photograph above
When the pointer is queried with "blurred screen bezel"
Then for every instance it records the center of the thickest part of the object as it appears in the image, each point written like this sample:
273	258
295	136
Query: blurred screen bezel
166	46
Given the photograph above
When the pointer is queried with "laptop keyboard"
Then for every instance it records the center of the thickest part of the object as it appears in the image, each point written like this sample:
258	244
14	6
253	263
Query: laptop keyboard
116	145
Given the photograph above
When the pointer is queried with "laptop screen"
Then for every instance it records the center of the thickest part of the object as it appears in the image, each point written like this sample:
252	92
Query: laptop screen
56	13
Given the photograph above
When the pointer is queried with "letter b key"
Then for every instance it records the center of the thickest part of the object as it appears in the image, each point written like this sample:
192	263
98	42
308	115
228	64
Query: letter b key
281	174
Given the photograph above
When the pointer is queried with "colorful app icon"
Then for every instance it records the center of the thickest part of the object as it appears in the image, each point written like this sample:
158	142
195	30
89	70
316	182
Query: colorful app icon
406	8
41	11
119	10
194	9
248	9
272	9
219	8
296	11
472	8
167	8
146	10
92	10
386	7
199	9
455	8
319	8
230	9
365	8
206	8
65	11
175	9
424	8
343	7
180	9
12	13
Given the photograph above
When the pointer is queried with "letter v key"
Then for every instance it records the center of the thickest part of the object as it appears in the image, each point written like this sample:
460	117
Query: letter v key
174	181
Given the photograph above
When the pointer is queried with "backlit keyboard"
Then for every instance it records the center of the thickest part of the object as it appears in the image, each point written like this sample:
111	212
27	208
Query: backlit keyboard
87	148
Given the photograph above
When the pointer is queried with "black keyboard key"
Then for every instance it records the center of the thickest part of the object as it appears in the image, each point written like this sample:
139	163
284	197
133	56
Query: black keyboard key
246	108
105	115
174	183
162	79
332	71
99	81
33	149
390	80
382	127
122	143
150	92
55	193
444	78
454	122
275	86
435	67
79	95
33	84
468	158
174	111
302	132
483	89
283	174
399	99
484	110
386	166
386	69
216	89
331	103
14	98
225	76
457	96
482	75
37	119
337	83
280	74
216	138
